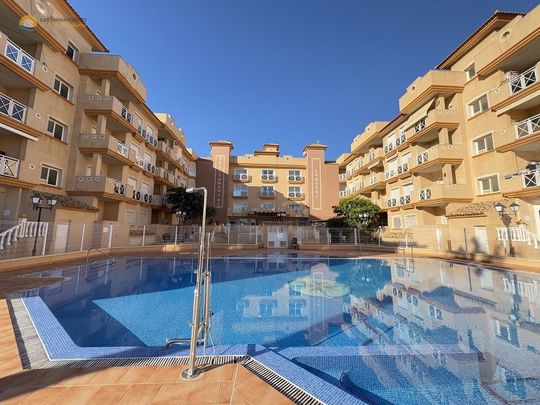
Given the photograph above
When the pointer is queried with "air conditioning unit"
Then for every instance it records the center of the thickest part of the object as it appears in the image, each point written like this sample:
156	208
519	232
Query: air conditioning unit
291	178
244	193
298	178
270	177
298	194
244	177
264	177
291	194
236	177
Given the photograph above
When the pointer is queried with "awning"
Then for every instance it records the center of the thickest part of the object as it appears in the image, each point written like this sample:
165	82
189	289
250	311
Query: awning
419	114
17	132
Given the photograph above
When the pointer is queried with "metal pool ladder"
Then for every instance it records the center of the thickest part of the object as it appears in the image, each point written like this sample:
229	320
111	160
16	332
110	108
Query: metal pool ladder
199	327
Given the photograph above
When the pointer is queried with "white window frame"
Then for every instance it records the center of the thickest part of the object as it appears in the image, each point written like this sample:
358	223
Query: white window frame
468	70
76	52
238	207
239	189
470	105
57	123
296	190
238	171
485	177
59	90
475	141
394	218
267	189
269	173
407	221
49	168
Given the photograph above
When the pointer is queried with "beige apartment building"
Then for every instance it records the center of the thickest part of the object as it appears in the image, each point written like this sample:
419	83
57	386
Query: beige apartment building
267	187
467	136
74	123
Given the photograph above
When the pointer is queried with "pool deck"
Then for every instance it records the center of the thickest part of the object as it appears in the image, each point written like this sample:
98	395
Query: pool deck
225	384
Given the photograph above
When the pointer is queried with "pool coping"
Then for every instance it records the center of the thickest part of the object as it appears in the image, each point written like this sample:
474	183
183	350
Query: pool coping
293	381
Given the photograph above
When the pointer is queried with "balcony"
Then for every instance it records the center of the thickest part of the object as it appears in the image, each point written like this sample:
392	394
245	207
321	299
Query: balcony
267	194
521	93
125	81
164	176
434	82
243	178
143	135
427	129
9	166
442	194
342	177
106	187
240	194
527	184
370	137
375	181
121	118
269	178
375	158
137	195
391	174
20	69
159	200
166	151
434	158
403	170
149	169
395	203
525	137
12	108
114	151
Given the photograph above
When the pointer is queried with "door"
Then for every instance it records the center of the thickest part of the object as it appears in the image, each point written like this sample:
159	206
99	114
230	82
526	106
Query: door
277	237
481	237
61	238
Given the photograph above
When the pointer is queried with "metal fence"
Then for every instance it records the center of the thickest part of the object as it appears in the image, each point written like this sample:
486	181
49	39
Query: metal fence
18	238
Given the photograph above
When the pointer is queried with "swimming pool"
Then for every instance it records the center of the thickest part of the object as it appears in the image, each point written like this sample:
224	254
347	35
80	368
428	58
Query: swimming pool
407	331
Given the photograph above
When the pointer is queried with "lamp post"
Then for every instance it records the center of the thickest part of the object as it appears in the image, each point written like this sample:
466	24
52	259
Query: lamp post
37	204
365	217
500	208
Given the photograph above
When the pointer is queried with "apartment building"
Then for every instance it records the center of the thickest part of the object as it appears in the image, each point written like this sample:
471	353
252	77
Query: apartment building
74	123
467	137
266	187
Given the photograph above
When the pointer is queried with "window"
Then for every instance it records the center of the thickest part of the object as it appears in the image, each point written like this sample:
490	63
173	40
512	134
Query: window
50	175
396	222
296	308
268	206
267	174
488	184
240	171
136	148
240	190
130	217
147	157
241	174
295	191
72	52
295	175
478	105
132	181
266	308
267	190
239	208
296	208
470	71
62	88
143	218
56	129
483	144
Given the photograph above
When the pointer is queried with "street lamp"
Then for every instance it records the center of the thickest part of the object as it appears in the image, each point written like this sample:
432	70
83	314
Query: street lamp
514	207
38	204
500	208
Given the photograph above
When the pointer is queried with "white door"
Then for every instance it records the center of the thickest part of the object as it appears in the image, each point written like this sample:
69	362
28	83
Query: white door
277	237
481	237
61	238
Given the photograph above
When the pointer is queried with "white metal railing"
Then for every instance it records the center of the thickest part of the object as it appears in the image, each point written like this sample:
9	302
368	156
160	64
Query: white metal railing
136	195
422	158
523	80
16	54
372	180
531	178
139	161
122	149
420	125
517	234
119	188
425	194
342	176
389	147
126	114
405	199
343	193
12	108
390	173
149	167
401	139
9	166
371	156
392	202
528	127
403	168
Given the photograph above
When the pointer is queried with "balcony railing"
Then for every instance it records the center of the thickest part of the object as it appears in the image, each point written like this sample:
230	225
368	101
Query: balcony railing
425	194
531	179
389	147
403	168
20	57
149	167
401	139
392	202
405	199
126	114
390	173
342	176
9	166
422	158
528	127
12	108
122	149
420	125
526	79
136	195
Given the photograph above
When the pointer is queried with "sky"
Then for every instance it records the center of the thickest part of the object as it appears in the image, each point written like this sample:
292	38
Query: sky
291	72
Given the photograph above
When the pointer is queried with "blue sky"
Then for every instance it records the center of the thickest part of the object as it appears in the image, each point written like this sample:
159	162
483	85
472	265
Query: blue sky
286	71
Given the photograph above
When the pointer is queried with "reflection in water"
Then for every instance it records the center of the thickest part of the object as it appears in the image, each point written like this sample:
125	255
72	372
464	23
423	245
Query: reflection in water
400	330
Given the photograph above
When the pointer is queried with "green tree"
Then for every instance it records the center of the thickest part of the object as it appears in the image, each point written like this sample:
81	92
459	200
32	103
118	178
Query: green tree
189	204
350	209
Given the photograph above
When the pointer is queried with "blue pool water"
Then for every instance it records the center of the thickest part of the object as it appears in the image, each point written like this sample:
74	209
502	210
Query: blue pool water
398	331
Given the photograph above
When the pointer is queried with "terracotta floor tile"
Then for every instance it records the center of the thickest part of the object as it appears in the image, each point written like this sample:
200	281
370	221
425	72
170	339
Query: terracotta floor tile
78	395
203	392
80	376
225	392
165	374
108	395
220	373
174	393
108	375
140	394
46	396
14	396
137	375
